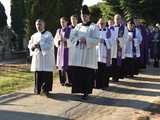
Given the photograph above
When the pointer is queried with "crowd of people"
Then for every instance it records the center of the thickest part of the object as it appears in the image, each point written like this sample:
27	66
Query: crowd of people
87	55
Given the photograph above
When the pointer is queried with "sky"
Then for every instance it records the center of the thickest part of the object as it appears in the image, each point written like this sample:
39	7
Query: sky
6	4
91	2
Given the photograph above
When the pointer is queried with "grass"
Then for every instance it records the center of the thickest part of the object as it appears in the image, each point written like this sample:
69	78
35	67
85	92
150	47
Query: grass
16	77
11	81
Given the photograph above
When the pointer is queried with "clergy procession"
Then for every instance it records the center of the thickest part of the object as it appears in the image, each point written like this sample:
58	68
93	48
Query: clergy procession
90	55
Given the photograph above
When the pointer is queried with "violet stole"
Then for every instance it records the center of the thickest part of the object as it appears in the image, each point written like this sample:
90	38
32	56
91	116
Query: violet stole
108	56
62	53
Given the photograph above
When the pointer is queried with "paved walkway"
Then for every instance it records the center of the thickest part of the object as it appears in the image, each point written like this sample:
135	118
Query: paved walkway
125	100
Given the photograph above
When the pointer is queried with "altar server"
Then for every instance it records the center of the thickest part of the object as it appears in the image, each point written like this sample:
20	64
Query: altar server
42	52
104	55
82	54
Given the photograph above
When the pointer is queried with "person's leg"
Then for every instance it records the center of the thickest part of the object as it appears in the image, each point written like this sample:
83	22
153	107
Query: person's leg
62	77
88	81
38	82
115	71
48	82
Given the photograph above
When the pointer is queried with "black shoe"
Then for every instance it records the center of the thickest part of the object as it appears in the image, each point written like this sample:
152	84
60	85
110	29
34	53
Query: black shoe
68	84
115	80
47	94
85	96
63	84
37	92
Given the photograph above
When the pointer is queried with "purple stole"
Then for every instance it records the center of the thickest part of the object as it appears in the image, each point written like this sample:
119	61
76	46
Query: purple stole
133	42
119	49
62	53
108	59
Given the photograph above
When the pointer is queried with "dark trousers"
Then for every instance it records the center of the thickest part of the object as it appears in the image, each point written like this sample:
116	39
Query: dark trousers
44	81
156	62
117	70
102	80
65	76
69	74
62	76
82	79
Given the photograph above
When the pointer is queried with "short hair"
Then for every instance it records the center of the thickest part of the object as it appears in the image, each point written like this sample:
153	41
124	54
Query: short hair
75	16
40	20
64	18
117	15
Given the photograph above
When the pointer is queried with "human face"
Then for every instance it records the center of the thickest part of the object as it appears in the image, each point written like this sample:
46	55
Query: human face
130	26
110	22
117	19
137	21
101	23
74	21
40	26
63	23
85	18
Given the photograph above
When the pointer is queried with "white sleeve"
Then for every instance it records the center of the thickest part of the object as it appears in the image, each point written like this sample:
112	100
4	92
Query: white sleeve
124	39
30	45
56	38
93	38
74	38
138	38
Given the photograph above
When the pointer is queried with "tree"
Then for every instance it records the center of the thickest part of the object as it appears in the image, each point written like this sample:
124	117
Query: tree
95	12
18	20
146	9
50	11
3	17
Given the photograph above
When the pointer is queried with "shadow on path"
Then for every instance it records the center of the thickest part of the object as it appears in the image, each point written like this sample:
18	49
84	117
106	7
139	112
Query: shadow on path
12	115
98	100
121	90
13	97
139	84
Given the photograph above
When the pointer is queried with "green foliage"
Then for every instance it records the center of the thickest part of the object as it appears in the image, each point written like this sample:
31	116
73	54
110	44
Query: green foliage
146	9
95	13
17	18
50	11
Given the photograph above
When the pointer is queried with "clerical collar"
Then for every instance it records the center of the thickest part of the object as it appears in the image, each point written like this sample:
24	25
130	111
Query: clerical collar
111	28
104	29
71	26
87	24
117	25
64	29
43	32
131	30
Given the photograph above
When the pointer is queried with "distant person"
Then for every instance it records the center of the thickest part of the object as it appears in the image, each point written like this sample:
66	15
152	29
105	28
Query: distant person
104	55
132	50
74	21
118	48
42	52
60	40
155	46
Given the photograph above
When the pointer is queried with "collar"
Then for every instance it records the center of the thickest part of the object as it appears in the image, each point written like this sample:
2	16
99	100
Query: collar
87	24
119	25
43	31
111	27
104	29
64	29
